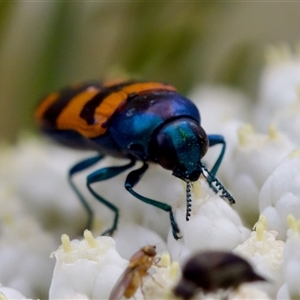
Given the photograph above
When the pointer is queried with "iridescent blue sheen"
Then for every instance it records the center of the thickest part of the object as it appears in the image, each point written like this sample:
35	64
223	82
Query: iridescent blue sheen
139	118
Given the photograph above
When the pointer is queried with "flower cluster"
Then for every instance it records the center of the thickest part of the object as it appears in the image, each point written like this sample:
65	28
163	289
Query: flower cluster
260	169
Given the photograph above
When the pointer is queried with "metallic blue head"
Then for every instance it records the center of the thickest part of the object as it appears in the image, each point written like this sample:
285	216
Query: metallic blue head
179	146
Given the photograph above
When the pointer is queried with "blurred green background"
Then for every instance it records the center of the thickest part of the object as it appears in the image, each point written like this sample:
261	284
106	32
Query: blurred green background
47	44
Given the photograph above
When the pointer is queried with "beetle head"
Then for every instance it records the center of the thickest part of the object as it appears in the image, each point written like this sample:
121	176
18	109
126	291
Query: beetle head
179	146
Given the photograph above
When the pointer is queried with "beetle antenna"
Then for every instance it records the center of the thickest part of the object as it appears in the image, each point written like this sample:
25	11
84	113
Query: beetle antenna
188	199
218	185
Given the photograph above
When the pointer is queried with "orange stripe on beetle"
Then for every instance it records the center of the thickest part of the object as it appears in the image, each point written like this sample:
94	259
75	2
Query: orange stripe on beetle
144	86
69	118
109	105
43	107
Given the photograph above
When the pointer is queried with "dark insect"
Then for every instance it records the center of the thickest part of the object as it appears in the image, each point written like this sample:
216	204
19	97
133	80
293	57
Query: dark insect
139	121
132	278
212	271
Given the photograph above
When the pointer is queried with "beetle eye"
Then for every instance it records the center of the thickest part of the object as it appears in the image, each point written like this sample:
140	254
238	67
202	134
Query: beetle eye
202	138
164	150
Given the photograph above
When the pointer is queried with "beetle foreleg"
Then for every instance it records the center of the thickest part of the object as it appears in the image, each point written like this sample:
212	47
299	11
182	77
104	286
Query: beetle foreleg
132	179
215	139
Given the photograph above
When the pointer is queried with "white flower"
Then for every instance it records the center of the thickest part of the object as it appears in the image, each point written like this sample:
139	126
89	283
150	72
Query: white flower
90	268
38	170
157	184
249	291
280	195
129	237
279	92
251	162
223	110
35	197
213	225
291	258
7	293
287	119
218	105
24	247
278	84
245	291
266	254
283	293
87	268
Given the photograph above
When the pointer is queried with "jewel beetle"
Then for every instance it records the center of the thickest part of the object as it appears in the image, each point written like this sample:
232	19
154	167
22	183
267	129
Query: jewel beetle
135	120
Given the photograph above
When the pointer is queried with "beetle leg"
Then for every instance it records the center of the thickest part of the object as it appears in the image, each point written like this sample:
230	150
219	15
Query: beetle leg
104	174
218	185
215	139
132	179
82	165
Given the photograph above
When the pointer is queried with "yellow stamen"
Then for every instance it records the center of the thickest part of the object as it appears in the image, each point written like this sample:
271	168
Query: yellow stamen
66	244
295	153
260	232
243	133
2	296
165	260
273	133
90	239
174	270
292	222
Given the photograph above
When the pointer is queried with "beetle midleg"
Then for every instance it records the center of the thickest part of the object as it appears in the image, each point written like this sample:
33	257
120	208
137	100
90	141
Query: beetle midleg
103	174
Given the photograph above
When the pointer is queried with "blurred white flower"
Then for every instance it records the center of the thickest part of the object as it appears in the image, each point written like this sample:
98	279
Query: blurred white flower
245	291
213	225
280	195
131	236
24	247
266	254
38	170
283	293
279	84
7	293
220	104
291	258
250	291
287	119
251	162
223	110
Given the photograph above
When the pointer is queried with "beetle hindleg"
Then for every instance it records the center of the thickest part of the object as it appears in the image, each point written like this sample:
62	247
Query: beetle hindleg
82	165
